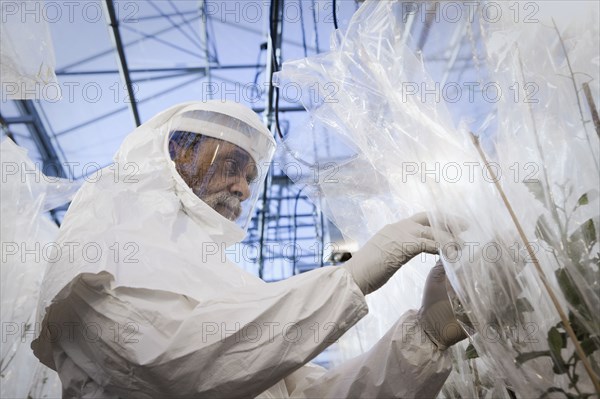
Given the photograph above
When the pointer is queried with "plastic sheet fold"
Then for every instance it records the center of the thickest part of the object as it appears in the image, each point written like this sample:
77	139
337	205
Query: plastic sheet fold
27	59
28	237
540	150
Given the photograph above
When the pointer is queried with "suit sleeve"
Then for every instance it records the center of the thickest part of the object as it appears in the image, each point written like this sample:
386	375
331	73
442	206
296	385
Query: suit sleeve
403	364
148	343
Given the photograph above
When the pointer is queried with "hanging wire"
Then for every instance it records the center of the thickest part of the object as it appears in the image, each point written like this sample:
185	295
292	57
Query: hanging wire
176	25
314	12
272	34
255	86
335	22
295	230
180	14
210	33
322	238
303	29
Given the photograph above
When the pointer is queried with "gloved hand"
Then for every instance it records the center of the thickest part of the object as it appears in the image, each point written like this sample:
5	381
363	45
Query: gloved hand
390	248
436	315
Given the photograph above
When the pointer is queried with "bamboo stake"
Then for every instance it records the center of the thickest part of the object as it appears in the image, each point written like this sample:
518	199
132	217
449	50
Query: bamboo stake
564	49
593	110
555	302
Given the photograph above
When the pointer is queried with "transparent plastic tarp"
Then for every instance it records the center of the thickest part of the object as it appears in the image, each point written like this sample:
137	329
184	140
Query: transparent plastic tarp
27	244
26	53
526	291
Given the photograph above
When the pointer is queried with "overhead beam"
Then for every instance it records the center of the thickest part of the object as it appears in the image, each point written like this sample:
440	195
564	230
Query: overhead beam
429	20
113	22
51	162
121	109
160	70
105	52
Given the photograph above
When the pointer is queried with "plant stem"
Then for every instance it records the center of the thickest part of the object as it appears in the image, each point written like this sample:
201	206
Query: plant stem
550	203
593	110
573	382
562	44
538	267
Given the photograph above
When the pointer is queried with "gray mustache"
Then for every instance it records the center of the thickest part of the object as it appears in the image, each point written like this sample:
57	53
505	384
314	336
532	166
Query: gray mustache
224	198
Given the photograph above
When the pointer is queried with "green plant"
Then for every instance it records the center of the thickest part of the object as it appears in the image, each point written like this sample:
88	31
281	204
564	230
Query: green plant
576	253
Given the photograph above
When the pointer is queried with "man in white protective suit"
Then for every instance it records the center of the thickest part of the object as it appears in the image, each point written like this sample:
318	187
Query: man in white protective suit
144	303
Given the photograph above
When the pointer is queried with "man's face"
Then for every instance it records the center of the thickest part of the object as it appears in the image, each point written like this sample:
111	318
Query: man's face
220	173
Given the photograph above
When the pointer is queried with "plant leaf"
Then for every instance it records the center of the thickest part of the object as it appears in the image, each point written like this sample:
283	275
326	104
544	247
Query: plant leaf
568	288
585	234
555	340
586	198
578	327
523	357
536	188
559	366
523	305
583	200
589	346
471	352
564	339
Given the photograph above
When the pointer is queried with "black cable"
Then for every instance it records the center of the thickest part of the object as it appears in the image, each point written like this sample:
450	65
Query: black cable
295	231
273	33
303	29
277	126
273	19
322	238
255	88
335	24
316	27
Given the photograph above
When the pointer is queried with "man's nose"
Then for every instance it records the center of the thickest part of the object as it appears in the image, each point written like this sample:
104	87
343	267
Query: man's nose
240	188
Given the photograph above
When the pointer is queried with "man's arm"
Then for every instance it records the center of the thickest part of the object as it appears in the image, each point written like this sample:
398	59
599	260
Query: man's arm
403	364
161	344
410	361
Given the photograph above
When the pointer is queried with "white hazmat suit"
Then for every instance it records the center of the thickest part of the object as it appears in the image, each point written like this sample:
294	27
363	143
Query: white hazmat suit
143	303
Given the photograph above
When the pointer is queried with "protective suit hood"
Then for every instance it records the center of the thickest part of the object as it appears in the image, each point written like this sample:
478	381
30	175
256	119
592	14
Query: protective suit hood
138	224
146	150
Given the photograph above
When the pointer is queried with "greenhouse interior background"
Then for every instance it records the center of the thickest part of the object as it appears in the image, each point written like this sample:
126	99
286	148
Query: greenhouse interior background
79	76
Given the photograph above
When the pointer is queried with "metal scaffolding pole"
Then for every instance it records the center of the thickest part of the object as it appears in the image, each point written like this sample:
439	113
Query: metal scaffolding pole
204	30
123	68
187	70
51	165
273	57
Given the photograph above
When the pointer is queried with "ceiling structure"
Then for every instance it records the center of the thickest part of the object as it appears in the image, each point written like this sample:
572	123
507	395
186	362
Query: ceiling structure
119	63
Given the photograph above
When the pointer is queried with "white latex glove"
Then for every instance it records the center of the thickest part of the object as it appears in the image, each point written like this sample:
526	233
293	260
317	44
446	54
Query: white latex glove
436	315
390	248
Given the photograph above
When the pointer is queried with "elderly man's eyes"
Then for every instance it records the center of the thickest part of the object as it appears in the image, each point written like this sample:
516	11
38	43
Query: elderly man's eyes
232	168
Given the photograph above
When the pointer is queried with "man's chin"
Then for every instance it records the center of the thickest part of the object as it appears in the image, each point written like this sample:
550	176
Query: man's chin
227	212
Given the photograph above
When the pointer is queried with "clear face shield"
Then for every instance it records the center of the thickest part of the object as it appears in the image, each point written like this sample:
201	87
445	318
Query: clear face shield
222	159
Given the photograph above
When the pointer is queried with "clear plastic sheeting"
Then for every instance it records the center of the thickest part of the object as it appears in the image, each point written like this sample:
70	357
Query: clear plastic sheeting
27	243
26	53
538	147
